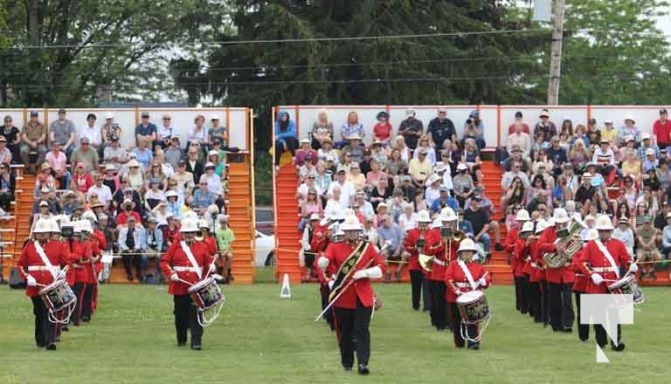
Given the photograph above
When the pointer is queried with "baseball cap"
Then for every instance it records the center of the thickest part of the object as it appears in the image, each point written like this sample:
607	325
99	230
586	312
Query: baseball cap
34	113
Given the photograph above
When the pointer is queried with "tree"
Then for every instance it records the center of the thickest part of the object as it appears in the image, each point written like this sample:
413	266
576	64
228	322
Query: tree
63	51
324	65
614	53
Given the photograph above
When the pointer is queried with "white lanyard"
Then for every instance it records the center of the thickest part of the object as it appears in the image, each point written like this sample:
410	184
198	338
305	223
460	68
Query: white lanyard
45	259
468	274
608	256
192	260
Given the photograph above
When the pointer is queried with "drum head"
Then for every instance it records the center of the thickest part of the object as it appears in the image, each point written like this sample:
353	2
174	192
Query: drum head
469	297
620	283
199	285
51	287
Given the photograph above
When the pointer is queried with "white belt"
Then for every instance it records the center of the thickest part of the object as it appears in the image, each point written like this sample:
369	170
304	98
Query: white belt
440	262
603	269
34	268
463	285
185	269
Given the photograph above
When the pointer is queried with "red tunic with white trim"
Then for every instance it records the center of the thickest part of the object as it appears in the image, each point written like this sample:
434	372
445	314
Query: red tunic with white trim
455	279
31	263
409	244
175	260
593	260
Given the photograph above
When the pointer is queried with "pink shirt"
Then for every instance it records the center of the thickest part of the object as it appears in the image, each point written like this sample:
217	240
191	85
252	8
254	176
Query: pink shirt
57	162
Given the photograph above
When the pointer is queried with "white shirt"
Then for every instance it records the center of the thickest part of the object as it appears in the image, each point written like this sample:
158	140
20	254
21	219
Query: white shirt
303	190
94	134
163	132
431	194
347	191
213	183
407	223
104	193
599	153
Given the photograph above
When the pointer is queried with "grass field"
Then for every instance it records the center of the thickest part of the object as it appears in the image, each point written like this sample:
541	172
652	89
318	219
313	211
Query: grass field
261	338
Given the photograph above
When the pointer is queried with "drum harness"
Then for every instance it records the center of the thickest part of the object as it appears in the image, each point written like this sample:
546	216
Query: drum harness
474	286
52	317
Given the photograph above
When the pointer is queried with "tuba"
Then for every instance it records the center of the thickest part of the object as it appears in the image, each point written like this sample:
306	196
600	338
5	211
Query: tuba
569	238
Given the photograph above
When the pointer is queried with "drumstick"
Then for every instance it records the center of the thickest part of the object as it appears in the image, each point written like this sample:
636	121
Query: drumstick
483	276
185	282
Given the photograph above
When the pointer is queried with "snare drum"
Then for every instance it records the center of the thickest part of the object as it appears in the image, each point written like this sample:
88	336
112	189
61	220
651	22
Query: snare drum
473	307
57	295
628	286
206	294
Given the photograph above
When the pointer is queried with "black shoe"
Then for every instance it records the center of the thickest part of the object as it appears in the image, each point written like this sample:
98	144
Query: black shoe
584	340
76	323
40	345
617	348
65	328
58	339
474	346
557	329
196	347
499	247
387	277
568	330
347	368
51	347
181	343
86	319
363	369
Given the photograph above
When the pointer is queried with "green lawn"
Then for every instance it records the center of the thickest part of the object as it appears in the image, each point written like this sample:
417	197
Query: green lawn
261	338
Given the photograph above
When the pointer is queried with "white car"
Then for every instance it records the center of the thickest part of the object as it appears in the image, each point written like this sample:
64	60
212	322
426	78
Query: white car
265	249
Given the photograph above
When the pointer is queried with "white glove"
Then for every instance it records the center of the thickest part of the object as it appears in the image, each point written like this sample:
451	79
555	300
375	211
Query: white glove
330	283
323	262
458	292
218	277
30	280
482	282
360	274
633	268
212	268
597	279
174	277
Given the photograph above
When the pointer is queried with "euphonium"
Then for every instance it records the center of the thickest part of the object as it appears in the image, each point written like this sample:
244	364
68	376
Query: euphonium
426	261
569	239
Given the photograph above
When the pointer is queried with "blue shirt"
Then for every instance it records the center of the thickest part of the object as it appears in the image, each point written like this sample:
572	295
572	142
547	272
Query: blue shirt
146	131
143	157
437	204
203	199
466	227
393	234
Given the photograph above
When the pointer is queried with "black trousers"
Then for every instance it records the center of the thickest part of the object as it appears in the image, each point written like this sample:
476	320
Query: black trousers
45	331
186	317
560	305
458	327
416	283
438	304
600	332
134	259
583	329
526	292
78	290
328	316
520	296
545	308
292	145
535	299
353	333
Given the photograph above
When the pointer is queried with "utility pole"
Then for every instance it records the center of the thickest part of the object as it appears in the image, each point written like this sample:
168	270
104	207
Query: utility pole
556	52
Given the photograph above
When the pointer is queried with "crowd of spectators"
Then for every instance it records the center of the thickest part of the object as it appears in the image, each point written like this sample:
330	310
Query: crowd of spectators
138	194
588	168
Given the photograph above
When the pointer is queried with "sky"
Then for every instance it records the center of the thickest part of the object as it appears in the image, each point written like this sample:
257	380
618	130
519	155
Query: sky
664	24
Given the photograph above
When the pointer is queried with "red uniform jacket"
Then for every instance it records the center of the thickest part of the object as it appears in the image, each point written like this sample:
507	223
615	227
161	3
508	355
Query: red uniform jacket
172	235
580	284
536	272
29	258
592	260
409	245
99	237
211	244
175	257
81	258
362	289
563	275
456	279
519	260
440	247
320	239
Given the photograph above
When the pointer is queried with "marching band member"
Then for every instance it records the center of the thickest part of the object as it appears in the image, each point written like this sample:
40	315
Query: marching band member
184	264
444	250
57	242
510	245
356	262
433	245
460	277
415	241
559	280
521	264
535	272
322	236
100	242
84	256
39	265
602	259
580	285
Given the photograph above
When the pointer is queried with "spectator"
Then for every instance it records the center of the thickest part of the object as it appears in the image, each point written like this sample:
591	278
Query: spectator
420	168
663	175
445	173
165	132
556	154
662	129
356	178
425	143
285	136
143	152
396	165
153	196
566	127
443	200
86	155
411	129
379	154
101	190
34	143
624	233
547	128
351	128
579	156
408	220
628	129
63	131
648	251
515	194
217	131
440	129
399	144
7	188
515	172
305	153
474	128
650	162
174	206
12	136
202	197
114	154
516	156
463	184
666	237
481	222
471	157
581	134
92	132
146	131
391	234
322	129
173	152
409	190
519	139
648	144
354	148
519	121
110	131
383	130
661	218
432	191
129	210
57	162
110	179
132	243
326	150
199	132
82	178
